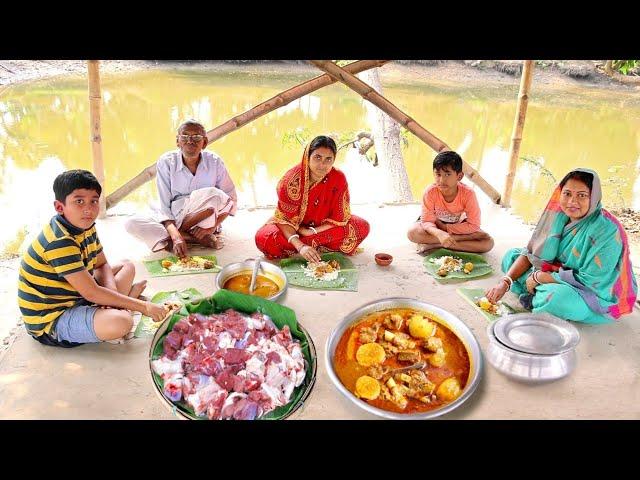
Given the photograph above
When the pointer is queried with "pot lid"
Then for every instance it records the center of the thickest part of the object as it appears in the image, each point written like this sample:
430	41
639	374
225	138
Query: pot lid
536	334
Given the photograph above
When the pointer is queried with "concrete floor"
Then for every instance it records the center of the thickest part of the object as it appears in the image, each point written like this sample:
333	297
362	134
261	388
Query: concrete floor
113	381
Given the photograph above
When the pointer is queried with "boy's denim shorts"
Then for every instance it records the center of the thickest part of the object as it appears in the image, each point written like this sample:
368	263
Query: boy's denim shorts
75	325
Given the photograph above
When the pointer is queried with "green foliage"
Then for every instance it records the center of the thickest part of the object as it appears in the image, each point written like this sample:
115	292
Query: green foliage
404	137
544	171
624	66
297	138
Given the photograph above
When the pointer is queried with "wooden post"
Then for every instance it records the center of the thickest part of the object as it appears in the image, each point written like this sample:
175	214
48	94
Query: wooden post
280	100
368	93
95	101
518	127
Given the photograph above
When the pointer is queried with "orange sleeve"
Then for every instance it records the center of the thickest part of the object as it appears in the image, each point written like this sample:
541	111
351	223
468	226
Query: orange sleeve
472	223
428	215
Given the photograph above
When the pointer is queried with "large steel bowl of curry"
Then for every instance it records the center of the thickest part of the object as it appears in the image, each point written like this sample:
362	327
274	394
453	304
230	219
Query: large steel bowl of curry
440	357
271	282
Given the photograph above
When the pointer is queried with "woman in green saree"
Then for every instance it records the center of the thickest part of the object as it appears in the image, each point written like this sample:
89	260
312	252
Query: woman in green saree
576	265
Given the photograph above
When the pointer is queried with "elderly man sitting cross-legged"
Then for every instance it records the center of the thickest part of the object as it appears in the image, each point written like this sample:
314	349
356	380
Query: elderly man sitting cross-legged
196	195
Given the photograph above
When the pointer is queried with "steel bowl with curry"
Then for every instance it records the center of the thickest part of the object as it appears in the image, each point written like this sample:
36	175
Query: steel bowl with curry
402	360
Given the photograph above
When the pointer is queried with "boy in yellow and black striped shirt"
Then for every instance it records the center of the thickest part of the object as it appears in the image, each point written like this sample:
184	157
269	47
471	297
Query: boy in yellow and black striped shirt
65	277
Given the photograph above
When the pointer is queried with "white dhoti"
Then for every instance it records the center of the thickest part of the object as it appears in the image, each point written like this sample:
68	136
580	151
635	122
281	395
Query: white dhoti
150	230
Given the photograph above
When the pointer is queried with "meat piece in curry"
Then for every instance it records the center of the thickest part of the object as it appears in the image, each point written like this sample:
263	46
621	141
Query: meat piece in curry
379	343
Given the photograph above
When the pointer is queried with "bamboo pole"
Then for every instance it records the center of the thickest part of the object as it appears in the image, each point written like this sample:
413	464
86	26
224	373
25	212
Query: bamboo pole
398	115
518	127
242	119
95	101
143	177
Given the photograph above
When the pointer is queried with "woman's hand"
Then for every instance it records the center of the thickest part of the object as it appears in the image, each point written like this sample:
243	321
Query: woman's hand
497	292
305	232
531	284
310	254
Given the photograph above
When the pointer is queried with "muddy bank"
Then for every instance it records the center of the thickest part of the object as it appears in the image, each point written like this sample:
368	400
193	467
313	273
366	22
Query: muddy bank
556	73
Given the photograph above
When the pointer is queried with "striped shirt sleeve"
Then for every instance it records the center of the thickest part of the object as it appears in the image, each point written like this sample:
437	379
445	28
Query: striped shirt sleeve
64	256
98	245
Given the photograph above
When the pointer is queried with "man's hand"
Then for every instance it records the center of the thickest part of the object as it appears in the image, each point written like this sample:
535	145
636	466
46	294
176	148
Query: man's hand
179	246
310	254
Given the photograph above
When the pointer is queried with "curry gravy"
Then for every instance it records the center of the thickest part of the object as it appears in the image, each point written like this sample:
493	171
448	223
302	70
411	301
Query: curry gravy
349	370
265	287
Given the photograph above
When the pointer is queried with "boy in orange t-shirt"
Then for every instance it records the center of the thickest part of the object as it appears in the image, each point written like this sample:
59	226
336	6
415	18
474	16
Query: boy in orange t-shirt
450	212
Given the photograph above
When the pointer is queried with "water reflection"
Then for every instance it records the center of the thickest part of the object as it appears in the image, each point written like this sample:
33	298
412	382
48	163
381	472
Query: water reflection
44	129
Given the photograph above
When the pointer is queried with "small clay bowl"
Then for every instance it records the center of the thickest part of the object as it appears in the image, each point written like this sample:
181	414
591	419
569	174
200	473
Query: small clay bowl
383	259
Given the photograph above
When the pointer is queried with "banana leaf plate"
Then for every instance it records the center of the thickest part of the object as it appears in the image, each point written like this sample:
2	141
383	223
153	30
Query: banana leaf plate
155	268
480	265
347	277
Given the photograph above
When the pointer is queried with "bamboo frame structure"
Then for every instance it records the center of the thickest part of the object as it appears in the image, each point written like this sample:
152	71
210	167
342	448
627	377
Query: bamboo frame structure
369	94
242	119
518	127
95	102
333	73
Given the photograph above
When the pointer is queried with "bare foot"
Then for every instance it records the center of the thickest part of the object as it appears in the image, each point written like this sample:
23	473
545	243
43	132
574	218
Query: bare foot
213	241
426	247
137	288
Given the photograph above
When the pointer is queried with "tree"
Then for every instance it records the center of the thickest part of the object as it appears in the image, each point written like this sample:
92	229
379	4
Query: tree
386	136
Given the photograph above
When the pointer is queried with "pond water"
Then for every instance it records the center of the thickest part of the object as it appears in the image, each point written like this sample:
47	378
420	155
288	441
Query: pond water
44	129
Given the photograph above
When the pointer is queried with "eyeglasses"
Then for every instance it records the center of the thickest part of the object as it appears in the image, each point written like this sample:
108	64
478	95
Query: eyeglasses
186	138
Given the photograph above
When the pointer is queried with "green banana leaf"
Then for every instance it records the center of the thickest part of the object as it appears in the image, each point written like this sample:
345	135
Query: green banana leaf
480	265
472	294
223	300
154	267
347	278
147	327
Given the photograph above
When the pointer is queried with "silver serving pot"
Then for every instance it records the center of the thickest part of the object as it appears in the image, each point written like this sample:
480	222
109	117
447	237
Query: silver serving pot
450	321
272	272
528	367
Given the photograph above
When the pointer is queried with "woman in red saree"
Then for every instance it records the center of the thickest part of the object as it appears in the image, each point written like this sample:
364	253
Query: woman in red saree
313	213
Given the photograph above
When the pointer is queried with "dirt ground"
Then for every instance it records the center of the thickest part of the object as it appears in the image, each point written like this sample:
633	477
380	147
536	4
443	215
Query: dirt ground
111	381
107	381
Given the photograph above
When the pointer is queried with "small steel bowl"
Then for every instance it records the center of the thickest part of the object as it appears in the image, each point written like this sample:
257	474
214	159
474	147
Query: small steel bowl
449	320
528	367
272	272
